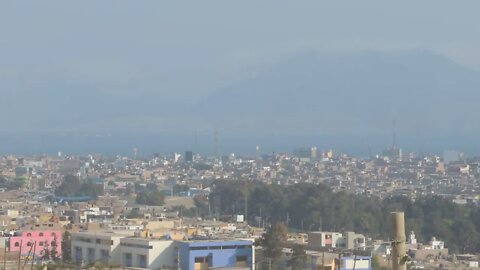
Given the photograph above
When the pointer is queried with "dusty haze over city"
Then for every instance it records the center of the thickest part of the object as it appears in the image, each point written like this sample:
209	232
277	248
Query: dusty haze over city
108	76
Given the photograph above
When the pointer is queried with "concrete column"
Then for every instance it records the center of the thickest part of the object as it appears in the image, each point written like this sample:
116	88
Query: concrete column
399	256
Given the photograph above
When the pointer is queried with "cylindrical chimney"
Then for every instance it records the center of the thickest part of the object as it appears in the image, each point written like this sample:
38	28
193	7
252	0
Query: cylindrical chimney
399	256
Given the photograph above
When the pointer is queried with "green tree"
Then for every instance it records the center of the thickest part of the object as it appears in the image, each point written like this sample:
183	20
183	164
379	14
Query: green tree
72	186
274	240
298	260
66	246
180	188
309	207
149	196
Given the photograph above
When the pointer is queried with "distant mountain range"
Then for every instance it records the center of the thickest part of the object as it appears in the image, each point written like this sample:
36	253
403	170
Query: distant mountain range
356	93
310	95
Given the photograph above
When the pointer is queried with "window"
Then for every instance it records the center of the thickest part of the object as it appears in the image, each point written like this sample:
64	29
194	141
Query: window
104	255
17	244
54	244
241	261
202	263
40	234
29	244
91	255
241	258
200	259
127	258
53	234
29	235
40	243
142	261
78	254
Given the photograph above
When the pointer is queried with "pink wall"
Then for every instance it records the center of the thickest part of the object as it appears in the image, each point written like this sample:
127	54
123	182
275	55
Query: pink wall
44	239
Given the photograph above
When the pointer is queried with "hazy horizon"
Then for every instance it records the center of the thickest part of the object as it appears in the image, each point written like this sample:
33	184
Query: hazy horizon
135	72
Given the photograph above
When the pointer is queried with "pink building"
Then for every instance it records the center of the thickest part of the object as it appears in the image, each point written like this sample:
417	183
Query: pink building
48	243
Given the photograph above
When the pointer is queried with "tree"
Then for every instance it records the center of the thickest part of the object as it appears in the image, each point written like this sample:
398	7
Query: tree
274	240
46	251
309	206
154	198
376	265
69	187
72	186
66	246
180	188
298	260
53	250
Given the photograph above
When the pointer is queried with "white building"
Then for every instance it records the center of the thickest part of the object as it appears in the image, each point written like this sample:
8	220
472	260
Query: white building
147	253
89	247
118	249
347	240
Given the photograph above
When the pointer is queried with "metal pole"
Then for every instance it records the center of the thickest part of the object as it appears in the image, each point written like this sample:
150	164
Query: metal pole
5	258
33	255
20	254
339	260
28	256
323	260
399	256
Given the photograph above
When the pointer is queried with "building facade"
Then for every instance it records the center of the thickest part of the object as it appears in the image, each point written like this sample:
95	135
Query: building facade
148	253
44	244
89	247
202	255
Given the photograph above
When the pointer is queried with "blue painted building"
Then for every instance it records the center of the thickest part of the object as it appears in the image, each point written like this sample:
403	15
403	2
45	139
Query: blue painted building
209	254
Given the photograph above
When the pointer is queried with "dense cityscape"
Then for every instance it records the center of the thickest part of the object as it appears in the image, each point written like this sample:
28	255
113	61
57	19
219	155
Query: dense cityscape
239	135
165	211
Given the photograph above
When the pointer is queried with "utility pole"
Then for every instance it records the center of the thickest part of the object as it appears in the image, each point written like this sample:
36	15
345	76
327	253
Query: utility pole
20	254
323	260
246	203
215	141
399	256
33	255
5	258
178	259
339	260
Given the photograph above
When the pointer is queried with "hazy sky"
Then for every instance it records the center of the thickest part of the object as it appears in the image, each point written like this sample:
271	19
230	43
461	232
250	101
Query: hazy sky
186	49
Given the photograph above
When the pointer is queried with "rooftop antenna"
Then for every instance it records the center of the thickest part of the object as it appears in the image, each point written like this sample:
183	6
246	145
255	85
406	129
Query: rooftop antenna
195	142
135	152
394	134
215	141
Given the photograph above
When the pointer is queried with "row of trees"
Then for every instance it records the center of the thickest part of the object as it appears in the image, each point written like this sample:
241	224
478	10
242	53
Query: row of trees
149	195
73	186
312	207
12	184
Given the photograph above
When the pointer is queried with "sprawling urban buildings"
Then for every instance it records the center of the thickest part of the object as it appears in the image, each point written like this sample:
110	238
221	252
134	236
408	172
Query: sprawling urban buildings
112	226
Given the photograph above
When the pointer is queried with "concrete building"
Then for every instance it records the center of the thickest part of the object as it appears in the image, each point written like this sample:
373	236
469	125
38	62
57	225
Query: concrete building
148	253
45	242
195	255
347	240
89	247
356	262
318	240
